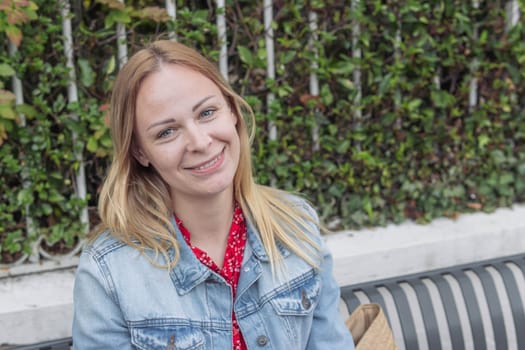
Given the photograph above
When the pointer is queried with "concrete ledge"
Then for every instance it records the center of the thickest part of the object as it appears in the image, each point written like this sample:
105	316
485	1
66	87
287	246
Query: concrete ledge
40	267
38	307
368	255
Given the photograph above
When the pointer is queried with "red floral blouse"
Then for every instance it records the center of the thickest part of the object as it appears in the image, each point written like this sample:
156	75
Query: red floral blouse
232	262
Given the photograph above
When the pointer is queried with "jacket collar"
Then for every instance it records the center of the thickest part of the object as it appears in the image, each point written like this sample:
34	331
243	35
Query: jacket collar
189	271
254	240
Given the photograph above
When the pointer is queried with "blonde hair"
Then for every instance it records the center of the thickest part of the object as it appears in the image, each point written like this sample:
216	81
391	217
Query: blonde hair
134	203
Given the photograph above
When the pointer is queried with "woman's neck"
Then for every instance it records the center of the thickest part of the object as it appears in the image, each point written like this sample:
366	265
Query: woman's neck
209	221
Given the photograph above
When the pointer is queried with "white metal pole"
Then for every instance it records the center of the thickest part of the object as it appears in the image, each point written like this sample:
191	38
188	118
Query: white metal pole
270	61
513	14
512	19
17	85
171	9
122	46
473	84
397	56
72	94
356	54
26	182
223	41
314	79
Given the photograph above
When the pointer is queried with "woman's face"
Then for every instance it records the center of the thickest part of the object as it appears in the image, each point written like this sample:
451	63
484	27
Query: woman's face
185	129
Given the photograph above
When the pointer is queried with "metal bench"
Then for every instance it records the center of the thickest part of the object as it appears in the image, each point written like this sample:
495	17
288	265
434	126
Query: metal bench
479	305
57	344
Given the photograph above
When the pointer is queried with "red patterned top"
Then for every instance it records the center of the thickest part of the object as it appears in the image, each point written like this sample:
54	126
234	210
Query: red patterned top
232	262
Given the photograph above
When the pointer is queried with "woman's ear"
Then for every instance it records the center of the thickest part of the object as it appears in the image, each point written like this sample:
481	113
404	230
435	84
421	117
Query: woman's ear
139	155
235	117
232	110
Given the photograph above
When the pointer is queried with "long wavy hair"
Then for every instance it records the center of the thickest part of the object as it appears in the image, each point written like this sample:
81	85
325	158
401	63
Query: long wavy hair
134	203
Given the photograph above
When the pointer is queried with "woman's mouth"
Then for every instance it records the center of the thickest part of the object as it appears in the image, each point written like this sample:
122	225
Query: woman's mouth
209	165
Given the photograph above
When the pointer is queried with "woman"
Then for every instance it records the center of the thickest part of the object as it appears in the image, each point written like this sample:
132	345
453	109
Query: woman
191	253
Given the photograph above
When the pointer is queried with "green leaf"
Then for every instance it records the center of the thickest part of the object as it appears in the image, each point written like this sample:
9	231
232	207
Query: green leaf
116	16
521	169
27	110
346	83
7	112
6	70
25	196
414	104
288	56
87	76
326	95
245	55
343	68
56	197
46	208
442	99
343	147
506	179
483	141
92	145
121	17
110	65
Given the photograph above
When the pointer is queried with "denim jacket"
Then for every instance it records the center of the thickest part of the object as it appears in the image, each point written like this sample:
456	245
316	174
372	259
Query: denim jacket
122	301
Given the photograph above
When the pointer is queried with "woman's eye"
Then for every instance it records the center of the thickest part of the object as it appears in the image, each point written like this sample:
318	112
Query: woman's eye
207	113
165	133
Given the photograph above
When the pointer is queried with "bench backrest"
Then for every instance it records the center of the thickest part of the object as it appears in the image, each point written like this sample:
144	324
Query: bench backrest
473	306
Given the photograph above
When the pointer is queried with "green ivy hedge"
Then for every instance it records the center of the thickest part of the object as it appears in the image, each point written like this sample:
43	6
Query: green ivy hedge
402	144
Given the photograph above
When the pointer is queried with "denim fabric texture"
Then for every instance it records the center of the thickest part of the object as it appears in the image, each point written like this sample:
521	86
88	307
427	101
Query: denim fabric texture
122	301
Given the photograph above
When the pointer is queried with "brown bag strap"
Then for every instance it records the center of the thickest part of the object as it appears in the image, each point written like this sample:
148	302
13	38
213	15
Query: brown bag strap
370	329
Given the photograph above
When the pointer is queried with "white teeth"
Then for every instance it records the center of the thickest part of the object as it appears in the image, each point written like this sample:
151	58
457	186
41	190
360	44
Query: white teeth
209	164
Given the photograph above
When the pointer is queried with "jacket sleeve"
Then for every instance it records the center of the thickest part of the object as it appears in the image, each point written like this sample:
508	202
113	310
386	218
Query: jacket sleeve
97	319
328	328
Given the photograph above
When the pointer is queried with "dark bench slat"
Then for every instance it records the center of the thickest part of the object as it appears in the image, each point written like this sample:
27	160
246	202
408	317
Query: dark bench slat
451	311
350	298
516	304
405	316
57	344
496	313
429	316
375	297
520	262
476	323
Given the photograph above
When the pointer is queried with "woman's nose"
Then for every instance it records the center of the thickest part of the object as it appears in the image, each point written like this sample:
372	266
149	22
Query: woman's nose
198	138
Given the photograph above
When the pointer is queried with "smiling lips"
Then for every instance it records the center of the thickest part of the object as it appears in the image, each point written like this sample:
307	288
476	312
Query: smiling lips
209	165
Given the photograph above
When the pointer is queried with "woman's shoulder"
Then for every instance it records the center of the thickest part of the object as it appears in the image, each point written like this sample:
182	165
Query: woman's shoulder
298	202
303	207
305	215
102	244
303	204
111	256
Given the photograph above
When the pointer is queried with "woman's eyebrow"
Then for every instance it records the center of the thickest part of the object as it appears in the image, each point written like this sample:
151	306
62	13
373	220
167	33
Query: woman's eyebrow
165	121
172	120
197	105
